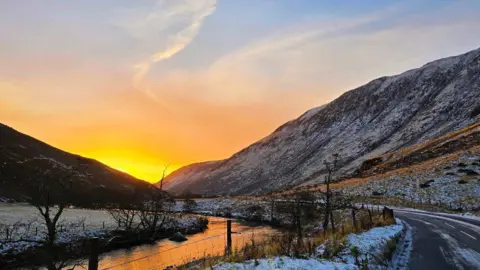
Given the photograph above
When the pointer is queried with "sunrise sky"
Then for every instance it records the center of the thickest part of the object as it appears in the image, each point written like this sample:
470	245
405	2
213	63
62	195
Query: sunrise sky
139	84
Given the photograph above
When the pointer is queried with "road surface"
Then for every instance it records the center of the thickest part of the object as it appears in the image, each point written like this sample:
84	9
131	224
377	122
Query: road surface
442	241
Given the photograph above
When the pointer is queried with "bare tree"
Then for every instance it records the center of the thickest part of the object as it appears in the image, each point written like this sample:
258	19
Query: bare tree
254	212
50	194
271	201
165	168
298	209
153	213
331	166
189	204
126	217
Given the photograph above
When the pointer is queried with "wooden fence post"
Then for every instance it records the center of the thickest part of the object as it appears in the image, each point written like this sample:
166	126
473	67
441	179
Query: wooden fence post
354	220
229	237
370	216
93	259
332	222
387	212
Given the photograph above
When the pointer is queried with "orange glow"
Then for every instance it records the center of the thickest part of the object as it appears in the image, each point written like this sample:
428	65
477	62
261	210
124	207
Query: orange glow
141	85
130	132
135	166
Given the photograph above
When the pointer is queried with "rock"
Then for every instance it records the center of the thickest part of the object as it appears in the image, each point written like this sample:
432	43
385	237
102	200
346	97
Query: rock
471	172
462	182
178	237
467	171
462	165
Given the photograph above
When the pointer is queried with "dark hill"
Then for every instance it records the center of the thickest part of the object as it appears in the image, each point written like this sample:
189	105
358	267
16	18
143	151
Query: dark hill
26	161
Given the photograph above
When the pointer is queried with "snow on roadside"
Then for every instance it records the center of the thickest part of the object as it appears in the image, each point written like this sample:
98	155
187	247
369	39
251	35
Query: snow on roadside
404	248
371	244
286	263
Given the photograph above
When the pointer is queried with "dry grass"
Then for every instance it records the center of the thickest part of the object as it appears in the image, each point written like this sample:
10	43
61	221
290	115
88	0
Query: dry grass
430	165
286	243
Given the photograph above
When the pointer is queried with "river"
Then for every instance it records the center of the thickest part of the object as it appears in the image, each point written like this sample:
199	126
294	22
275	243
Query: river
166	253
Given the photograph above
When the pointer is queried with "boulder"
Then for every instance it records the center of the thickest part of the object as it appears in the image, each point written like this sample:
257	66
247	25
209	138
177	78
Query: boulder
178	237
467	171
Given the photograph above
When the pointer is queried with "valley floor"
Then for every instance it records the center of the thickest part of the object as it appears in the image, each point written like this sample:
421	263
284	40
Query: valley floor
22	230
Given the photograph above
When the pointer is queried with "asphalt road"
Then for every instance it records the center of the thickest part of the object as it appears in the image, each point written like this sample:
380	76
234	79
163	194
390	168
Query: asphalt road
442	241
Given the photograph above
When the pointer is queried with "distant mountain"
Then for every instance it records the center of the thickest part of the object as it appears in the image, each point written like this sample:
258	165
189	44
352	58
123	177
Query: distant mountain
384	115
25	160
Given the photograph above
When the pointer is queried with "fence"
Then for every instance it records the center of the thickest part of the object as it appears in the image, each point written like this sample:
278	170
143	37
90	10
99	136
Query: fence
212	246
170	256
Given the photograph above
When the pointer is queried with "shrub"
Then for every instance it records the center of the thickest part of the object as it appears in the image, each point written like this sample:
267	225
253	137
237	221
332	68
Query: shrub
390	249
254	212
189	205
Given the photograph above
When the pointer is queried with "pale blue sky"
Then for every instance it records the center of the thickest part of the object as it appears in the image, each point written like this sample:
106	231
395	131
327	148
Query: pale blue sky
204	78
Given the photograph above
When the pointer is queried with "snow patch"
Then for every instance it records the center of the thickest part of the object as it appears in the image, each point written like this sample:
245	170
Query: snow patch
370	243
286	263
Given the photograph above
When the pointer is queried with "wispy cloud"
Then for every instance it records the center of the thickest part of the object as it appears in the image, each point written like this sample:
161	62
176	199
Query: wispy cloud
322	58
170	25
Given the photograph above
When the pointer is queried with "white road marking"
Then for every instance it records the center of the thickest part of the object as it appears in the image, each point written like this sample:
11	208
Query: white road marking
461	256
473	227
423	221
450	225
468	235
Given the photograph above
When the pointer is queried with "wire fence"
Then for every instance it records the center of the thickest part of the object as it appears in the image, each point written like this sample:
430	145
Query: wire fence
202	248
159	252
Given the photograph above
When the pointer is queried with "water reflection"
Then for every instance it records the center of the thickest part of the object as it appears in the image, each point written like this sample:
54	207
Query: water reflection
167	253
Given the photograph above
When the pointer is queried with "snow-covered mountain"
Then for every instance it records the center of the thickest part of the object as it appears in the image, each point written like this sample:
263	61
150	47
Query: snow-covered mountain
385	114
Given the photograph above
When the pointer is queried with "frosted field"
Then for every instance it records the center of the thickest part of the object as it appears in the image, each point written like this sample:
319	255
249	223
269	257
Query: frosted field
98	223
94	219
24	222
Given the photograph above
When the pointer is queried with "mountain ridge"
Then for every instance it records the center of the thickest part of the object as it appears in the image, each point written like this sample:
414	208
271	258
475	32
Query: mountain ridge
385	114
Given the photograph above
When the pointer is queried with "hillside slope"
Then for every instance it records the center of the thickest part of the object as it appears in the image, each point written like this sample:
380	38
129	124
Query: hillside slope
25	160
443	171
463	140
386	114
